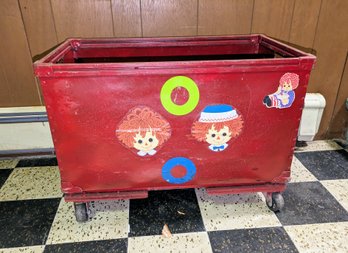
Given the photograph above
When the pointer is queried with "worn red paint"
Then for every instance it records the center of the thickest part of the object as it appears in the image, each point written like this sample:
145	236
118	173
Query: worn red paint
86	101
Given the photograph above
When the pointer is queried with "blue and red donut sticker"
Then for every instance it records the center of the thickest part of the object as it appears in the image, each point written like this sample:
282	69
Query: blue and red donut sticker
178	161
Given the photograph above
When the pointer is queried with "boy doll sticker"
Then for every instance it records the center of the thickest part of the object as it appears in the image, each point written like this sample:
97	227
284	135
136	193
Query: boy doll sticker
217	125
144	130
285	95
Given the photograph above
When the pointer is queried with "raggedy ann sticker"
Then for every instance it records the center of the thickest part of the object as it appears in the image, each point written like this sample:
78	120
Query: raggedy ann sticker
217	125
143	131
285	94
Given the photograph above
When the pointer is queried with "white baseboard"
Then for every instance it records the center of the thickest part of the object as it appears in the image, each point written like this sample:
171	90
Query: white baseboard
24	136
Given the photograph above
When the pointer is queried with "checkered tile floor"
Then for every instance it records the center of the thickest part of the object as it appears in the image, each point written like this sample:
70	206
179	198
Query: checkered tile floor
35	218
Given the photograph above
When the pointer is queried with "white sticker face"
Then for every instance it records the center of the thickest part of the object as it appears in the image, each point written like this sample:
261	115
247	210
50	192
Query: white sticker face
285	94
143	130
217	125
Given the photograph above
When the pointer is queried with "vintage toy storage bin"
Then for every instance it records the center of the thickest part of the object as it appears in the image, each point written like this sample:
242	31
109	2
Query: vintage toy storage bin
132	115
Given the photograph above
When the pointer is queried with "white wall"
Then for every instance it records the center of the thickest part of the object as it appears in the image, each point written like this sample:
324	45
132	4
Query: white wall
18	136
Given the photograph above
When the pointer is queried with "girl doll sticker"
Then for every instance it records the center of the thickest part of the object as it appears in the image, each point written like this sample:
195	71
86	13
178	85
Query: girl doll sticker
285	94
143	130
217	125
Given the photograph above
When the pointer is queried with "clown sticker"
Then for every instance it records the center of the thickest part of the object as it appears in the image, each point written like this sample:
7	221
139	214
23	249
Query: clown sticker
143	130
217	125
285	95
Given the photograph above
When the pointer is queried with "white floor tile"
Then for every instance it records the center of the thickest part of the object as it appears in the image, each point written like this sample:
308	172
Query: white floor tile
180	243
299	173
339	189
8	164
320	238
319	146
110	221
33	249
235	211
32	183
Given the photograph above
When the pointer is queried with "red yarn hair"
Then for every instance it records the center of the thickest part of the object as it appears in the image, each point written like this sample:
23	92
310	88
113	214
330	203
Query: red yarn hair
200	129
141	120
292	77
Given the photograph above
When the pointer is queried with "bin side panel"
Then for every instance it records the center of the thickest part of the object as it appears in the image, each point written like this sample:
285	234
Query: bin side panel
85	112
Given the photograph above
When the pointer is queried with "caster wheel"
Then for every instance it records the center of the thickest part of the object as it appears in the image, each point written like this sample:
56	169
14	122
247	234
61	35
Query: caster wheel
81	212
274	201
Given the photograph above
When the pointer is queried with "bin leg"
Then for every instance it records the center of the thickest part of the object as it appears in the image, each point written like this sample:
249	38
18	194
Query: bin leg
81	212
274	201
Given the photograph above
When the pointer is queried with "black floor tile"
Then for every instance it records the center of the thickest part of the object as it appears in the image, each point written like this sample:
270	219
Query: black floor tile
273	239
177	208
4	174
326	165
47	161
26	223
117	246
310	202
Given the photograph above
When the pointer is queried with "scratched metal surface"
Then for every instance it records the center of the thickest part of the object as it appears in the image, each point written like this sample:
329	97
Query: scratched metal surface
85	107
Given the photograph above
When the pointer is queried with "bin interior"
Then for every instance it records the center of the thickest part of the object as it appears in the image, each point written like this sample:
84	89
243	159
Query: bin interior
159	50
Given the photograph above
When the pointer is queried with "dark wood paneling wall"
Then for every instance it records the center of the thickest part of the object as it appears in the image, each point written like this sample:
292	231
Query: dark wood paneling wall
82	18
304	23
31	27
126	18
273	17
169	17
39	25
17	83
339	118
330	45
222	17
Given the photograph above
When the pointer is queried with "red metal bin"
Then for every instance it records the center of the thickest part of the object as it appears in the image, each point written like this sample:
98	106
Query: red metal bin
132	115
